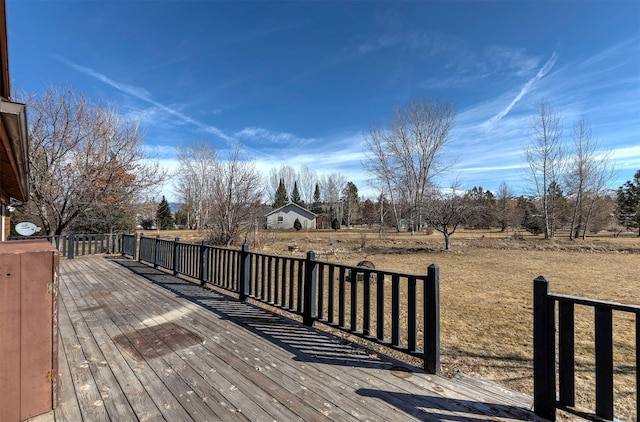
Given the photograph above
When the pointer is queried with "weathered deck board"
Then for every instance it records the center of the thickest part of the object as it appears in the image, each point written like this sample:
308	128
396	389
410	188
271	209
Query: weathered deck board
161	348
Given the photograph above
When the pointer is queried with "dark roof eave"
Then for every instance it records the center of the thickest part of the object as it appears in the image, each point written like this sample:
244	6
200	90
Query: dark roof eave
14	121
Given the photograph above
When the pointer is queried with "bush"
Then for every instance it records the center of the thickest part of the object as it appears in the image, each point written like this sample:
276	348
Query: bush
297	225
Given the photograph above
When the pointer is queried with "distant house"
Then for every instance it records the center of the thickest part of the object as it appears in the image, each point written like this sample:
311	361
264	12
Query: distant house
284	217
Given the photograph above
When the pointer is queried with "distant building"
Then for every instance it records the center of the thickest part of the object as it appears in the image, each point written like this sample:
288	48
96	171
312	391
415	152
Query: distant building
284	217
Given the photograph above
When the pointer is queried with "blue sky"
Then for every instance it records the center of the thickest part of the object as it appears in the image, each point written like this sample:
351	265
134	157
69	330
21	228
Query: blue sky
300	82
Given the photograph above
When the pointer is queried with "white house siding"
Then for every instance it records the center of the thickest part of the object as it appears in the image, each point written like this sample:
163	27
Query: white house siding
284	217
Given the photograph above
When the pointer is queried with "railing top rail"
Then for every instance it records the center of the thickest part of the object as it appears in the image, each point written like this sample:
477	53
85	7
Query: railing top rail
268	255
374	270
595	303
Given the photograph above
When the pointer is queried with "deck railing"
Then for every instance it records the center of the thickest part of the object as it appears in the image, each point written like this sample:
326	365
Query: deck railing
72	245
544	354
397	310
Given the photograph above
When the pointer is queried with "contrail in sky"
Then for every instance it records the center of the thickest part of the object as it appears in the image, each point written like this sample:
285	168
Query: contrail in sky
143	95
523	91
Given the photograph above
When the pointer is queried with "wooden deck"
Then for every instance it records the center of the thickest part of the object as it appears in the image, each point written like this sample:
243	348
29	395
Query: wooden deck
139	344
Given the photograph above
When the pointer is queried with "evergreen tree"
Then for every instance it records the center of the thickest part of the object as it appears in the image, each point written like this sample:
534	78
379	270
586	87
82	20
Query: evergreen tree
282	198
629	203
317	202
351	203
295	195
335	224
164	219
297	224
533	221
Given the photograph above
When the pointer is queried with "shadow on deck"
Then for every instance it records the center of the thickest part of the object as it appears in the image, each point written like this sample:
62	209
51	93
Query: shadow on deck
306	344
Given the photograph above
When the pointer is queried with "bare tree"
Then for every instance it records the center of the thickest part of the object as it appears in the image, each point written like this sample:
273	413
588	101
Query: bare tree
545	157
236	197
83	156
382	168
589	173
287	174
507	210
196	165
407	155
331	187
447	210
307	179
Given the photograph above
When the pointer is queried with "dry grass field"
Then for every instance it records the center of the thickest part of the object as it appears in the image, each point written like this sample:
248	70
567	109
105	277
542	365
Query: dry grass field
486	284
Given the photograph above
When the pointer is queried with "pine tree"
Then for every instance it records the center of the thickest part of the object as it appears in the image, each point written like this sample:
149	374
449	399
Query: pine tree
297	225
317	203
629	202
164	219
282	198
295	195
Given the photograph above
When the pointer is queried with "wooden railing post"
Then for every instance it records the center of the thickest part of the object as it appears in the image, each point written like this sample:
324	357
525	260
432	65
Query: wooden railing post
204	262
156	255
245	272
431	310
604	362
135	253
140	251
72	246
544	351
310	313
176	256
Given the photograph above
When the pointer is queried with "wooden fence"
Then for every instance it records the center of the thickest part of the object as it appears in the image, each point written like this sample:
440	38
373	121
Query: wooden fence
72	245
397	310
546	397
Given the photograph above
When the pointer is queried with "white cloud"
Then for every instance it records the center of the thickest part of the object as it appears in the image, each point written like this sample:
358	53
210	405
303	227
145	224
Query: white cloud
257	134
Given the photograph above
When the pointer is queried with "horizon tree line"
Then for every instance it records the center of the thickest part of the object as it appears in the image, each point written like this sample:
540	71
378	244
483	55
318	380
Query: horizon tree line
89	171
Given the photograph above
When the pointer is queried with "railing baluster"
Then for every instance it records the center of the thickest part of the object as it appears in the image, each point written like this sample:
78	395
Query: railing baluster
341	298
269	279
366	304
291	284
566	354
380	306
300	286
604	362
331	295
228	264
353	285
395	310
276	281
321	291
411	314
263	275
283	282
